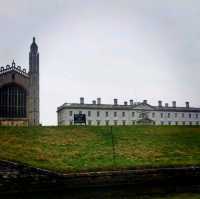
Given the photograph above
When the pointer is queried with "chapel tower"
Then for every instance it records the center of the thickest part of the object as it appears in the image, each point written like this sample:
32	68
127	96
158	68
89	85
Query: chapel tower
34	113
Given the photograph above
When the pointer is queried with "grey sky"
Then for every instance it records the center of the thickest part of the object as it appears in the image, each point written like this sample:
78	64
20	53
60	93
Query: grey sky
147	49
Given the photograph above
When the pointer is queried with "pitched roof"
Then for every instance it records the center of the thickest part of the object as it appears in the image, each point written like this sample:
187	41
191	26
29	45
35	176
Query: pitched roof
139	106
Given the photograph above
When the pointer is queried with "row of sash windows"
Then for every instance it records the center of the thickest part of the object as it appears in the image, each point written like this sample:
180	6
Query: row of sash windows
169	115
116	122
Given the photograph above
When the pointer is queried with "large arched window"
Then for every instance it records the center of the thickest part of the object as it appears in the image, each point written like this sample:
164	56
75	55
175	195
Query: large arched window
12	101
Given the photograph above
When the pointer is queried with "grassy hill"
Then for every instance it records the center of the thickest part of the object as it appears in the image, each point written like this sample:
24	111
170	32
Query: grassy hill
70	149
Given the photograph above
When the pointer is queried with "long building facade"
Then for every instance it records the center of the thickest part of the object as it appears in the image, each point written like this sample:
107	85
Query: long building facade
19	92
139	113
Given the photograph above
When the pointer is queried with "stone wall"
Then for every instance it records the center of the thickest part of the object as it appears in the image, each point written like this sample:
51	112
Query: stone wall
16	178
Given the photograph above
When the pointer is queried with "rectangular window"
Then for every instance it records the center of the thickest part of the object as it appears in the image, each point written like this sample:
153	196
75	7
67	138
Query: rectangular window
190	123
107	122
168	115
153	115
133	122
70	113
162	123
197	123
106	114
98	122
133	114
190	115
124	123
197	115
89	122
123	114
80	112
176	123
175	115
115	114
183	123
89	113
161	115
115	122
98	113
183	115
169	123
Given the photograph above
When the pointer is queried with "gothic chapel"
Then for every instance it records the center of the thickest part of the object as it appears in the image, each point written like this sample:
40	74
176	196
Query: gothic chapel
19	92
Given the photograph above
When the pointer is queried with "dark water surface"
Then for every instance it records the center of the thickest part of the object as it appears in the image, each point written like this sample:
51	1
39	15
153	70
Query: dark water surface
66	196
91	194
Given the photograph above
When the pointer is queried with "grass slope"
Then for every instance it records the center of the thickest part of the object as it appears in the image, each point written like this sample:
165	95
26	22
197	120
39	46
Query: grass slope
70	149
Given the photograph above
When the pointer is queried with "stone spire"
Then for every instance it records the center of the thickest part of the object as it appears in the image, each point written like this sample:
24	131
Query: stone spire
34	47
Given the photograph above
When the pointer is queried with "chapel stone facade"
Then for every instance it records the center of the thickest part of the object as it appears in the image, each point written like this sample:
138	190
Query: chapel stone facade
19	92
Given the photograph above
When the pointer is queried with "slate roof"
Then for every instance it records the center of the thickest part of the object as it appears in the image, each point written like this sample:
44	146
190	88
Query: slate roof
127	107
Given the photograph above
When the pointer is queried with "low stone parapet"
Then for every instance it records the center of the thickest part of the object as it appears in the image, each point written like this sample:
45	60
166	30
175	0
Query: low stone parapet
16	178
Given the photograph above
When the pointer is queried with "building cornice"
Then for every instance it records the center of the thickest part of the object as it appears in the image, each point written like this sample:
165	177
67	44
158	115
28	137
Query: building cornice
126	107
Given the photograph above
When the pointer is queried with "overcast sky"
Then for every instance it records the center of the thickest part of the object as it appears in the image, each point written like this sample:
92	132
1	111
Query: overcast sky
125	49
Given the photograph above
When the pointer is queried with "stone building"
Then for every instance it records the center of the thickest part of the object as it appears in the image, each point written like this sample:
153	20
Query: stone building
131	113
19	92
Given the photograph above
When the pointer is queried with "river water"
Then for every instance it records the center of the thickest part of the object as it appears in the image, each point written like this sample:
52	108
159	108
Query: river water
101	195
63	196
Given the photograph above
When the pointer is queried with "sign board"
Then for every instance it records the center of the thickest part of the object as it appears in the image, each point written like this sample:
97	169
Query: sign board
79	118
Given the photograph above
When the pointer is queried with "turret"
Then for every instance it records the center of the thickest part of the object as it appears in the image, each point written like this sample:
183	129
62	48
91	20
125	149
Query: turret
34	84
34	58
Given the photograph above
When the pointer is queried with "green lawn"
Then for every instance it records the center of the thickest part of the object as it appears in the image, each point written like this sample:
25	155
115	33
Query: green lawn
70	149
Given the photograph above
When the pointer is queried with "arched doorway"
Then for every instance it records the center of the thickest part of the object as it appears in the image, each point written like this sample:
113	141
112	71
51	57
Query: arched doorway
12	101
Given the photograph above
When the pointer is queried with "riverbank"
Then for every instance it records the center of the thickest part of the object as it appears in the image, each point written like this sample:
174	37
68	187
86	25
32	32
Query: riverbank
19	178
89	149
143	158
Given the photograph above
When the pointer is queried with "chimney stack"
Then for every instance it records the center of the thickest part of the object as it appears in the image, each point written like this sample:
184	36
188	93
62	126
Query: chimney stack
187	104
115	102
81	100
131	102
145	101
160	103
166	104
174	104
98	100
93	102
125	103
